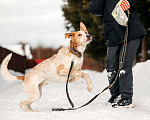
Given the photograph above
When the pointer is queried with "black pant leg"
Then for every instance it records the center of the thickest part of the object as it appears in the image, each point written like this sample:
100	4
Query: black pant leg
112	65
125	76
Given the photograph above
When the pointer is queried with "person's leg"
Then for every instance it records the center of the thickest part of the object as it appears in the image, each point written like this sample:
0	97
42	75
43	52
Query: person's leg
126	77
112	64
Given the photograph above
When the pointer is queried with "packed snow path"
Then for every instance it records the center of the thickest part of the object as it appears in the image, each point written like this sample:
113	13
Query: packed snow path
11	94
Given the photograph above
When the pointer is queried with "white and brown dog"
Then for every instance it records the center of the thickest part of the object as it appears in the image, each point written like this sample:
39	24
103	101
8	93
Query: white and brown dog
56	67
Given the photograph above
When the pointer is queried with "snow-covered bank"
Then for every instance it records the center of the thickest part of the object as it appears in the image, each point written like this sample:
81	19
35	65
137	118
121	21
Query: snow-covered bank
54	96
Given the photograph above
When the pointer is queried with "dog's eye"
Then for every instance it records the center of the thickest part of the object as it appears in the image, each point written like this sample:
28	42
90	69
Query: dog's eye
79	34
86	32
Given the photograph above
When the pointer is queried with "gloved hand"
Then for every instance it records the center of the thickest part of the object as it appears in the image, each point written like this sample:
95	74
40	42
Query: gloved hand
125	5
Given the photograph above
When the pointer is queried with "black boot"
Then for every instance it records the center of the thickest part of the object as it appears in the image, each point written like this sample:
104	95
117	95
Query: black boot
113	99
124	103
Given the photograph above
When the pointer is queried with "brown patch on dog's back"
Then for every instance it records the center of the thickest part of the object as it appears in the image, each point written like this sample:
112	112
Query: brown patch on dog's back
20	77
60	67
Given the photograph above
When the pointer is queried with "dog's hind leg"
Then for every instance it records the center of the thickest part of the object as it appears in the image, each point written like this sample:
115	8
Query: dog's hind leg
34	95
34	100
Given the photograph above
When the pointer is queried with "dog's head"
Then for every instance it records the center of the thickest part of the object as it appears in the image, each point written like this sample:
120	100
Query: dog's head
79	38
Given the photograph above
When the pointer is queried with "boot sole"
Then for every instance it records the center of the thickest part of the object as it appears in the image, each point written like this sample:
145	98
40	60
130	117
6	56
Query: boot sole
129	106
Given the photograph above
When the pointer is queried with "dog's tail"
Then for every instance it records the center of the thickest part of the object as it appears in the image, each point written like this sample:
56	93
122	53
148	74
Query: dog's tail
5	73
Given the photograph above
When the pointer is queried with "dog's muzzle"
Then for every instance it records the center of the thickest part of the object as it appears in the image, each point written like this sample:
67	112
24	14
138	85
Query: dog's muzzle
89	37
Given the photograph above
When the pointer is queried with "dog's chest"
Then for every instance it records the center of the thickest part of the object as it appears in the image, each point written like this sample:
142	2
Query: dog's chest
78	63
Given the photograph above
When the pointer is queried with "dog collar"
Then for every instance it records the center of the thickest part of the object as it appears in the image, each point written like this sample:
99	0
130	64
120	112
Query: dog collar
75	52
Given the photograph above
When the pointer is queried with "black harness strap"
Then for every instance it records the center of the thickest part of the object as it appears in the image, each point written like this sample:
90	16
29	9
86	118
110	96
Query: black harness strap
108	87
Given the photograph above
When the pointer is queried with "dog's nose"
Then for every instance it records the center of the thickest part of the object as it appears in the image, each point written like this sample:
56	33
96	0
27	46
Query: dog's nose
88	35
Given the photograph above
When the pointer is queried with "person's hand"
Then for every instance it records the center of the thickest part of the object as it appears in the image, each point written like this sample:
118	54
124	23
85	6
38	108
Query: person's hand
125	5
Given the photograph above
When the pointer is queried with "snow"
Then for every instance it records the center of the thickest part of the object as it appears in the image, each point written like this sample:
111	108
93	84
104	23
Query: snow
18	48
11	94
28	51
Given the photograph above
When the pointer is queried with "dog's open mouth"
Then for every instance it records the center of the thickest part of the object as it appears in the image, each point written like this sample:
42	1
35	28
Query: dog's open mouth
89	39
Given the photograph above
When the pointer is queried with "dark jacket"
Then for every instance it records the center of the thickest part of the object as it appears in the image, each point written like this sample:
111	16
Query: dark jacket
114	32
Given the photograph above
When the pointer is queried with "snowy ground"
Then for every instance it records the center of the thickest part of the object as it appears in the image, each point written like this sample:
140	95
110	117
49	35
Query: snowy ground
11	94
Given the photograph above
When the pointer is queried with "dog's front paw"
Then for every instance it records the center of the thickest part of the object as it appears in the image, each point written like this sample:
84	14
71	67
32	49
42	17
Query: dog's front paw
71	80
90	87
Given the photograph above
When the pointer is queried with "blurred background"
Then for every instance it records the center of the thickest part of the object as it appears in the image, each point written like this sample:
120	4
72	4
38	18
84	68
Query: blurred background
34	30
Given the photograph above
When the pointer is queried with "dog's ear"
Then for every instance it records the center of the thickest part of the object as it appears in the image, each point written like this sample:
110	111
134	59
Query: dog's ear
83	28
69	35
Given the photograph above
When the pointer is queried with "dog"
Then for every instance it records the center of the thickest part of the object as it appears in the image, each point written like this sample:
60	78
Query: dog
54	68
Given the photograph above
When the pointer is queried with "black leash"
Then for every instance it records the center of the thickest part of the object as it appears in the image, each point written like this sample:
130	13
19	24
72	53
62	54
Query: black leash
71	103
108	87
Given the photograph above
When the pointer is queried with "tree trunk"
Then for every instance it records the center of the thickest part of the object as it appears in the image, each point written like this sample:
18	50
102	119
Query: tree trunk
144	49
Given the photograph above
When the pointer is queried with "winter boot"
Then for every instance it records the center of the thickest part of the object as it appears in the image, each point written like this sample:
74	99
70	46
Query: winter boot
124	103
112	100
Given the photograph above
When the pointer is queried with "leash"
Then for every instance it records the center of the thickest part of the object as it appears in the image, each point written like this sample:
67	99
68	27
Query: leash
108	87
70	101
